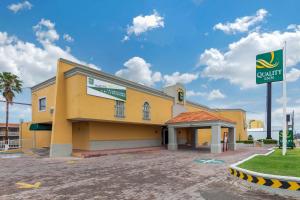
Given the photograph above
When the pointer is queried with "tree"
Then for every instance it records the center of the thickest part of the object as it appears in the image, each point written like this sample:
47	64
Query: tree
10	84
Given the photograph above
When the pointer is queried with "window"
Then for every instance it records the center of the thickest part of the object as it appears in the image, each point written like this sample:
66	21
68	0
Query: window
146	111
42	104
120	109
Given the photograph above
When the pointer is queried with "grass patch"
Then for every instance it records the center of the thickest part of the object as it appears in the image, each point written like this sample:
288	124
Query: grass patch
275	163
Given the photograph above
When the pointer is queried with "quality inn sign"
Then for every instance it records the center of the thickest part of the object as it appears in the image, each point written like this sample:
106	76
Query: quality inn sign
105	89
269	67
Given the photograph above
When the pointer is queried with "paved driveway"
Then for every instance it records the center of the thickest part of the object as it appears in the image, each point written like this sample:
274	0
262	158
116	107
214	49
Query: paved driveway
149	175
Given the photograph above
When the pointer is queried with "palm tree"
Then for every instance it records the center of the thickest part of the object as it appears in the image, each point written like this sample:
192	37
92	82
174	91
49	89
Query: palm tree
10	84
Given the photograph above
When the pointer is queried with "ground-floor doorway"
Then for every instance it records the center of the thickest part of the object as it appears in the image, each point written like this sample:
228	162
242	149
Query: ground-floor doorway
164	136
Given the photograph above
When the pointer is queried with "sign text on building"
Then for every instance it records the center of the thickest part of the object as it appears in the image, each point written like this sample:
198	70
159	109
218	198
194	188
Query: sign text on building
105	89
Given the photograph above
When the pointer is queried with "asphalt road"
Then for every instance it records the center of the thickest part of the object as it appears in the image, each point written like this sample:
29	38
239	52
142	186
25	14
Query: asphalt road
149	175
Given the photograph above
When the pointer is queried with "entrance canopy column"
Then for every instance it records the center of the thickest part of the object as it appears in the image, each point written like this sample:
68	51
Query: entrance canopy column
195	138
231	138
215	146
201	119
172	145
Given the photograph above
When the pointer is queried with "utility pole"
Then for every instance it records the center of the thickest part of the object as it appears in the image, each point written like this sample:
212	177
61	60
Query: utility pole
269	110
284	122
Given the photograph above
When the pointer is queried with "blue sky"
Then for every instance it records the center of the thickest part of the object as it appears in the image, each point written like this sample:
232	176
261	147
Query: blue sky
210	46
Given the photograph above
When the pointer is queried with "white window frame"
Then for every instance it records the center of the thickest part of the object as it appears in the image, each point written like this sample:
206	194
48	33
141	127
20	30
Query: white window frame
119	113
148	111
39	106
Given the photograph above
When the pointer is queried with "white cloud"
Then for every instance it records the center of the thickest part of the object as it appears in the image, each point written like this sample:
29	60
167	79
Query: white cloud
31	63
45	31
212	95
16	113
21	112
237	64
142	24
293	27
192	93
138	70
216	94
256	116
68	38
242	24
278	113
293	75
280	100
26	5
126	38
176	77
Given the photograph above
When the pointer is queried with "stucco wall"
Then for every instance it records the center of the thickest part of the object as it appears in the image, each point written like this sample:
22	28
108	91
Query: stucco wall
81	105
109	135
81	135
34	139
123	131
239	117
43	116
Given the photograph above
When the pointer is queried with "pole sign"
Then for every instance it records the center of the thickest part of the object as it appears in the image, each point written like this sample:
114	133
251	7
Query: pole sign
104	89
269	67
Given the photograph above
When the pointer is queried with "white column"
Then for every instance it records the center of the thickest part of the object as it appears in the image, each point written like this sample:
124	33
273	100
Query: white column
172	145
231	139
195	138
215	146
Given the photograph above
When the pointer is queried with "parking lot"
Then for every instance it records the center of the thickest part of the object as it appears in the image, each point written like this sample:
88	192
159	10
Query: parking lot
157	174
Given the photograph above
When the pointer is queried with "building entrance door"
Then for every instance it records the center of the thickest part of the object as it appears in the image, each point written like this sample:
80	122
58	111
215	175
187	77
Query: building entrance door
165	136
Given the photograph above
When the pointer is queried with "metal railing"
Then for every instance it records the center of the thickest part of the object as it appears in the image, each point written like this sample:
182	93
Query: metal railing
12	144
10	133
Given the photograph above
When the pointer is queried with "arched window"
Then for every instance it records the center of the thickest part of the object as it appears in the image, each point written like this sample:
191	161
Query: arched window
146	111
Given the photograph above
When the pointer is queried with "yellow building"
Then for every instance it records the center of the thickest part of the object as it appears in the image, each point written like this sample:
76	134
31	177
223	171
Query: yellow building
83	108
256	124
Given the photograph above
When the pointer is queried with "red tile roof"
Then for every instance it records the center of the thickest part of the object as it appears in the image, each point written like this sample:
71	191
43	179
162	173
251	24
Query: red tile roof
9	125
199	116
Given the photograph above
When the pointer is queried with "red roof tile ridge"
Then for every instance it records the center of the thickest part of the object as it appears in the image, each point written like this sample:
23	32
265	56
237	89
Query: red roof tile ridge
192	116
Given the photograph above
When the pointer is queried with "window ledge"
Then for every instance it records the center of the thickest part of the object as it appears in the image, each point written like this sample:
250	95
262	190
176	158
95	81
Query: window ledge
119	117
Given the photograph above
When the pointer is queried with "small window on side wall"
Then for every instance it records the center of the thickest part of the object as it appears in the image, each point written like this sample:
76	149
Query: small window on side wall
42	104
120	109
146	111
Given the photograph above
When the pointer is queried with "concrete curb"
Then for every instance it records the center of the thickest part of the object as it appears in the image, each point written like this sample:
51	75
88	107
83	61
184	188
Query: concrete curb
273	181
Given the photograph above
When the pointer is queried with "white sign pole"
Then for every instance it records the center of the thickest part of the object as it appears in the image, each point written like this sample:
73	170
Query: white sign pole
284	127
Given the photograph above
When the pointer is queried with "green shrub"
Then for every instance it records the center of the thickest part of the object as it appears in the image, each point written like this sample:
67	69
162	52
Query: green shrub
268	141
248	142
245	141
250	137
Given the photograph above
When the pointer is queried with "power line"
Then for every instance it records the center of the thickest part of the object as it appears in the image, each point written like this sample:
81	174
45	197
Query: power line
25	104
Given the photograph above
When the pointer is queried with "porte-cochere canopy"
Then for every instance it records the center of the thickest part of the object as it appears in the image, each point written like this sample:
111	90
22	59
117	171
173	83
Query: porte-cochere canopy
198	120
199	116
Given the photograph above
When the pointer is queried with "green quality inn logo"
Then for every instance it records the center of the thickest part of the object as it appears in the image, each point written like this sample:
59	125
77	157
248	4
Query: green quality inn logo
180	95
269	67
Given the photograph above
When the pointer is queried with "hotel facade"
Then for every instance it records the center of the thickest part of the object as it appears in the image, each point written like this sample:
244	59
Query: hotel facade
85	109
